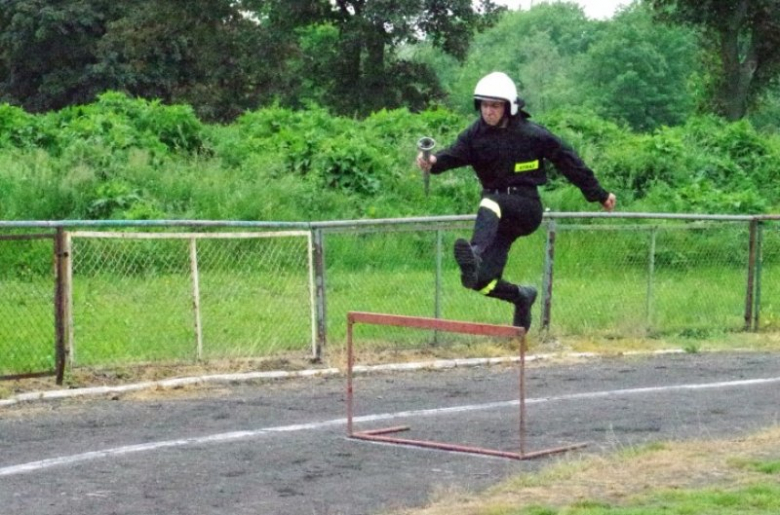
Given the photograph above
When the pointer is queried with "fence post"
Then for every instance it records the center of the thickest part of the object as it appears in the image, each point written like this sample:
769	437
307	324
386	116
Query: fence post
320	311
650	277
70	337
751	275
60	315
547	281
759	263
196	299
437	293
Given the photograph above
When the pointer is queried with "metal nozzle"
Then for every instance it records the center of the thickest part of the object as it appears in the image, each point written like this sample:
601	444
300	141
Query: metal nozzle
425	145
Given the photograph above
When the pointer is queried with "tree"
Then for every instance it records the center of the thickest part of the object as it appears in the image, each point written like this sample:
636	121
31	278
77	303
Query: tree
368	72
744	37
538	48
765	115
226	56
47	48
207	53
644	83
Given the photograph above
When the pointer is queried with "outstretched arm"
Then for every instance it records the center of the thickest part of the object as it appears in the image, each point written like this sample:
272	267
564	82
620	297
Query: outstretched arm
576	171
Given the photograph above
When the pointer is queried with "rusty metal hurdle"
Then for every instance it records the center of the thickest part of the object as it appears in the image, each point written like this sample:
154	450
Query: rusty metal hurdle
454	326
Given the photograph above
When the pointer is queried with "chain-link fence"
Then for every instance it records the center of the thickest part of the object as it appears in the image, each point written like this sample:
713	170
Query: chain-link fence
149	292
601	278
766	311
150	297
27	283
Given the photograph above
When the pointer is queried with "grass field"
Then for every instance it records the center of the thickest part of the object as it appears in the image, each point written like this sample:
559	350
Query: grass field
701	477
148	319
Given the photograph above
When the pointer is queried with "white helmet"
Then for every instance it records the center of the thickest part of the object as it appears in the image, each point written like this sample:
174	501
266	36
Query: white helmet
497	86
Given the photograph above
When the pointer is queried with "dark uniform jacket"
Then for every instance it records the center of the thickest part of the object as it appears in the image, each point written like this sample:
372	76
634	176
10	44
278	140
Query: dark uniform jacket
514	157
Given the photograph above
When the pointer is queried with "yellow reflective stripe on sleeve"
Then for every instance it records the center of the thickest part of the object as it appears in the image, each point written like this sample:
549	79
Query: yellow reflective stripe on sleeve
527	167
491	205
490	287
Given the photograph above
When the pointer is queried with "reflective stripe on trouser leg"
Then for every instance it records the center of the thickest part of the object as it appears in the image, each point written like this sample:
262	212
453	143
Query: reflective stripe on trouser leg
504	290
491	205
489	288
486	224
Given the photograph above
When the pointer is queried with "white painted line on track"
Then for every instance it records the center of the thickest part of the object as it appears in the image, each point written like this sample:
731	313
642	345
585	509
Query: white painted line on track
41	465
165	383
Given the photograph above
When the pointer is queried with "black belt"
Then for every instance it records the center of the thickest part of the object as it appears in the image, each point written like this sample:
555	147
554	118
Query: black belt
512	190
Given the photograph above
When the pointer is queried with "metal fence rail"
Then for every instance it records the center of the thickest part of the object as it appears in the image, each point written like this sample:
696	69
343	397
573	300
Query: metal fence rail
110	293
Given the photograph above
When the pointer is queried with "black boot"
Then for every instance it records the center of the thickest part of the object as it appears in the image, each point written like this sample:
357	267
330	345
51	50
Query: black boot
525	299
468	261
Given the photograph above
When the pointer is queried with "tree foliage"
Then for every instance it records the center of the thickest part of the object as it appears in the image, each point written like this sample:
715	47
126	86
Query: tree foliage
644	83
207	54
743	35
356	57
47	50
368	72
538	48
227	56
562	59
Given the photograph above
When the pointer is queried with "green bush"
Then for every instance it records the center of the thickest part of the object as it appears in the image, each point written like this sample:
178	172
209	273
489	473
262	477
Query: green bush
707	165
130	158
115	123
18	129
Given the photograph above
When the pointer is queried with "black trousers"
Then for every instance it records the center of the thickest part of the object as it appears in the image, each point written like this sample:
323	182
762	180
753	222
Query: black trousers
501	219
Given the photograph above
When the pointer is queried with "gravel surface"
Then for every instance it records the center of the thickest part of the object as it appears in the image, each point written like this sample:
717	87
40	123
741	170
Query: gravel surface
280	447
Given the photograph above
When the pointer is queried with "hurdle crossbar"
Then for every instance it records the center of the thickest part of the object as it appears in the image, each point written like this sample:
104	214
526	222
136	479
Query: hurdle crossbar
455	326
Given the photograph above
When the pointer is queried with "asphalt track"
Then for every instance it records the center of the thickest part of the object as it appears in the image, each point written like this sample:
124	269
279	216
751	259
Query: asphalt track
280	447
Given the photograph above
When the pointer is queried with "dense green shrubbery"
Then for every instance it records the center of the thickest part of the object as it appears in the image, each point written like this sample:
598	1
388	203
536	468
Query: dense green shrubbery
86	161
723	168
332	152
18	129
707	165
114	122
126	158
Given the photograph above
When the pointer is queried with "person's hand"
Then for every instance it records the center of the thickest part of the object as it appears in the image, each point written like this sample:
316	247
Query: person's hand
424	165
609	204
